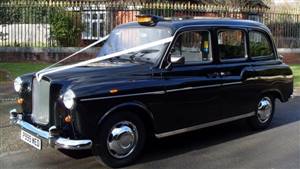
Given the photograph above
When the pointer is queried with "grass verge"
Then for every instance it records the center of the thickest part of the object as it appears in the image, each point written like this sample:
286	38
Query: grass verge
17	69
296	72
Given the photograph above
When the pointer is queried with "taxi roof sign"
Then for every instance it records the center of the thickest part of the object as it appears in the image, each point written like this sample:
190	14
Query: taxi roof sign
148	20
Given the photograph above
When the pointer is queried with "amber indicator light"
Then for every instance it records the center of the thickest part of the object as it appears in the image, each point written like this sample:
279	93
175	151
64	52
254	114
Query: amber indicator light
68	119
112	91
20	101
144	19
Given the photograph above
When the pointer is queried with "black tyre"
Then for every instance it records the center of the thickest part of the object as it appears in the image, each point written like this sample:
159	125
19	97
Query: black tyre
120	140
264	113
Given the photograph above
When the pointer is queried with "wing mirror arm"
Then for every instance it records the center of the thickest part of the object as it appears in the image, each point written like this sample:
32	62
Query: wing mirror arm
175	60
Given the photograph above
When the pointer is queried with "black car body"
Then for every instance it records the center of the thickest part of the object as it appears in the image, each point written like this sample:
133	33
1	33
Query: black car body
238	76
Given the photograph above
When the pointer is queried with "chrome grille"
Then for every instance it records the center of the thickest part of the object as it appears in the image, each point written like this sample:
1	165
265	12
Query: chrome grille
40	101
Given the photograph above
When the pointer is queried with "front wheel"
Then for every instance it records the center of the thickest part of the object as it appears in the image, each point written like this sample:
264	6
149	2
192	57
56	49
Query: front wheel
264	113
120	140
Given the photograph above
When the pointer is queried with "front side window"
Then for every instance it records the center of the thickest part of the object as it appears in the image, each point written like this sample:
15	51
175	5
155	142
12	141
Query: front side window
194	46
231	44
260	46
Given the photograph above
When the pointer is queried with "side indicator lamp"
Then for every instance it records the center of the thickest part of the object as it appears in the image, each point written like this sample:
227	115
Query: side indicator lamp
113	91
20	101
68	119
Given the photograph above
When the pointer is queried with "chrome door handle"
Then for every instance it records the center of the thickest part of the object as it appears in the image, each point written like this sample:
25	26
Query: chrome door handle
224	73
213	75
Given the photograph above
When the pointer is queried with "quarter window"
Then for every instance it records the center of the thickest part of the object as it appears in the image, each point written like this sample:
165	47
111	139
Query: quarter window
231	44
194	46
260	46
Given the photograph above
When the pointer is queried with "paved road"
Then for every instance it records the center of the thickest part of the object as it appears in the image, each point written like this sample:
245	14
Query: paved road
227	146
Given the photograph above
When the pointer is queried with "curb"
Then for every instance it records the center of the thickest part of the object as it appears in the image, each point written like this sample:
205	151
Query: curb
296	91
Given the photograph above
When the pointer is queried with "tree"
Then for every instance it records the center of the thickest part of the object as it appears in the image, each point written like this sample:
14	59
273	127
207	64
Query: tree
64	28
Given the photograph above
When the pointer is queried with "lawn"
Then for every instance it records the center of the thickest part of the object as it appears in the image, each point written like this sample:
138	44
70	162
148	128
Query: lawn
296	72
17	69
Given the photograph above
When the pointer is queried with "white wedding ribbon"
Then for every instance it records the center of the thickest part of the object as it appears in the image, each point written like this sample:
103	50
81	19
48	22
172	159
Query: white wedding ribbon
43	72
81	50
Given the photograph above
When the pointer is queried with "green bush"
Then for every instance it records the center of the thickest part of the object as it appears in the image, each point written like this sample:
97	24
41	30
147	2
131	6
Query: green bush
64	28
259	49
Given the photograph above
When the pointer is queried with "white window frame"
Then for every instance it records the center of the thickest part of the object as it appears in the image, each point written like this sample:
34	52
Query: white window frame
88	22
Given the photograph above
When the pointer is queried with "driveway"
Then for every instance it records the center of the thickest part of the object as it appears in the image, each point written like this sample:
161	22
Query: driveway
227	146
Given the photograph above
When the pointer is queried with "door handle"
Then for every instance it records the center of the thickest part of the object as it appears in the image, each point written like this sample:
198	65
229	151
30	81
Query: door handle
213	75
225	74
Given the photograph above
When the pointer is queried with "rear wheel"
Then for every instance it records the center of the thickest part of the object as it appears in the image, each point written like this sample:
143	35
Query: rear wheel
120	140
264	113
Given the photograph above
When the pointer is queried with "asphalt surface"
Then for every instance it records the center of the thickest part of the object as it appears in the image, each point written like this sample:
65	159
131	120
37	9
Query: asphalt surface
229	146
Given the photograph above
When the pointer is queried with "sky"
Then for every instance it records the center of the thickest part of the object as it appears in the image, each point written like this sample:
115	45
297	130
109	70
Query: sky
287	3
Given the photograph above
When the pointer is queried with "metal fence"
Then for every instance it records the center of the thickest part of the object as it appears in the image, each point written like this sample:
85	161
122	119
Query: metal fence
75	23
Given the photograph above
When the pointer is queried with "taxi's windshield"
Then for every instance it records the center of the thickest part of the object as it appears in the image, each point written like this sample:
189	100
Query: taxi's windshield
125	38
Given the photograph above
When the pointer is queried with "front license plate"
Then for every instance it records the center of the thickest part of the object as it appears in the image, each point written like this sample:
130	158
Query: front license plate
30	139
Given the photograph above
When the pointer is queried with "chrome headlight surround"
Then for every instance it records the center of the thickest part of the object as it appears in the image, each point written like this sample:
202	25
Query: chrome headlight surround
18	84
69	99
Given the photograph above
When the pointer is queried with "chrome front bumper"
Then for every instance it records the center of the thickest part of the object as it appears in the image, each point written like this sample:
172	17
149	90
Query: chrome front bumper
54	141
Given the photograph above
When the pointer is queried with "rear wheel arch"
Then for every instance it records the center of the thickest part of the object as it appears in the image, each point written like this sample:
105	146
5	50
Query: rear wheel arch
275	93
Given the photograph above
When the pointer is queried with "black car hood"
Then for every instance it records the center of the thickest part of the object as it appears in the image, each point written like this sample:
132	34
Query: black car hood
88	76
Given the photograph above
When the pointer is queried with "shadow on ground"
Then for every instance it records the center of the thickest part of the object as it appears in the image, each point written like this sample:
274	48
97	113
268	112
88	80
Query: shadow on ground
201	139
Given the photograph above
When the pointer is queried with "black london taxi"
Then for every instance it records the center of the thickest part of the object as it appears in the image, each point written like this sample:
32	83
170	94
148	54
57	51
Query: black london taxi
213	71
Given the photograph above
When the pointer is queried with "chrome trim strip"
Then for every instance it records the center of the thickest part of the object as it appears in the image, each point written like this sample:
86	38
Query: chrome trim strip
231	83
54	141
270	77
188	129
160	92
193	88
124	95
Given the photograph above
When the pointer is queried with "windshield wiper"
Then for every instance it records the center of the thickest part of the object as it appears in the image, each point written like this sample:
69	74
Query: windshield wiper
139	56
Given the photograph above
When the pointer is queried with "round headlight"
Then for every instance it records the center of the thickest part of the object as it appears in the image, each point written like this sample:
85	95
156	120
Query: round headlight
68	99
18	84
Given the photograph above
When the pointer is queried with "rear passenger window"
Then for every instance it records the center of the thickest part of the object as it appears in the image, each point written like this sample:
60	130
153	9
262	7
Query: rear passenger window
260	46
194	46
231	44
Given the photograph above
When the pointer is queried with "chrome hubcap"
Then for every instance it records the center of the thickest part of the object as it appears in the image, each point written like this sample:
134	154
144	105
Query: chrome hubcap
264	110
122	139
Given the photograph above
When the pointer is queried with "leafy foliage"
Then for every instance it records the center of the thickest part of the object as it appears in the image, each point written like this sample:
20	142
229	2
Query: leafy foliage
63	28
259	49
10	15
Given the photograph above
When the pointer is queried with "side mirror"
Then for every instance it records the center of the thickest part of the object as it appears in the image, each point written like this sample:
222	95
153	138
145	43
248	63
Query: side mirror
177	60
280	57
